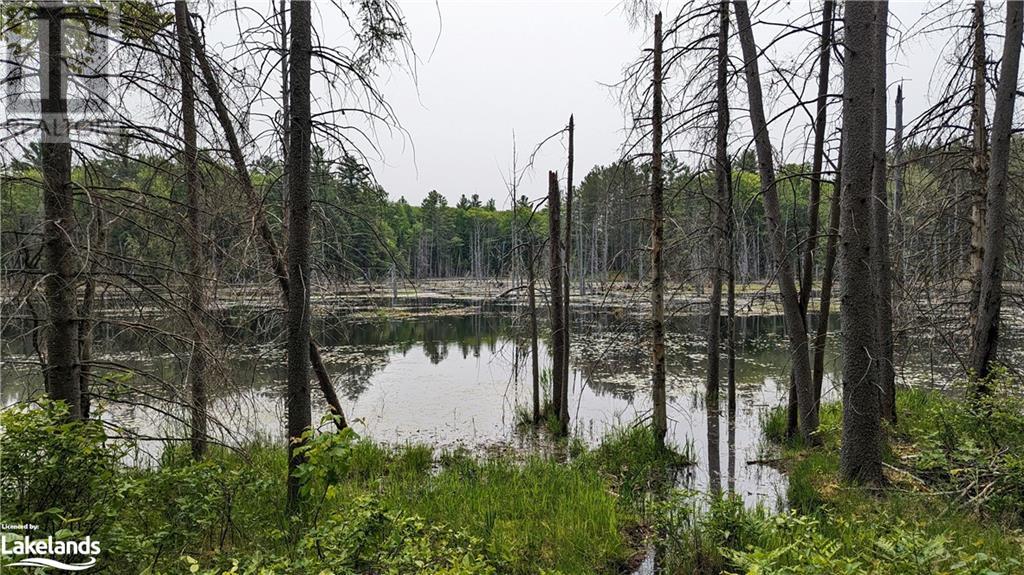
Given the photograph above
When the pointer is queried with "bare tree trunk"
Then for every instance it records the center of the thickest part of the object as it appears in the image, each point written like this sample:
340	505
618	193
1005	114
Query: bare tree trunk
657	239
557	314
563	414
299	416
825	301
98	241
196	279
787	286
60	265
897	190
285	113
718	231
260	217
814	199
532	299
979	164
986	333
860	454
880	218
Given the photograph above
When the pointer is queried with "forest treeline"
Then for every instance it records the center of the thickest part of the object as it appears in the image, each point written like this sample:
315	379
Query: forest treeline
363	233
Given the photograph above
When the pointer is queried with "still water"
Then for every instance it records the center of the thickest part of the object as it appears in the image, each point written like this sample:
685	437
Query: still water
452	380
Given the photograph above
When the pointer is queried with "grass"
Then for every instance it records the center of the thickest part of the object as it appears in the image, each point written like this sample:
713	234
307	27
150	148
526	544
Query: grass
941	447
367	508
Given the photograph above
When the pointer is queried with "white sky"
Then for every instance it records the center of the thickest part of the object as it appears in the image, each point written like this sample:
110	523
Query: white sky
504	66
489	68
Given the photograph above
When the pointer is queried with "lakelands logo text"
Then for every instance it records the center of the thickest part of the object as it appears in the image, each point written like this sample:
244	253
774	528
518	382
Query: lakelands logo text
49	552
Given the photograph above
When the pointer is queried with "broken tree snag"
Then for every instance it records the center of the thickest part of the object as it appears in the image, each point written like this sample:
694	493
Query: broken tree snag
259	215
557	314
660	427
532	297
563	414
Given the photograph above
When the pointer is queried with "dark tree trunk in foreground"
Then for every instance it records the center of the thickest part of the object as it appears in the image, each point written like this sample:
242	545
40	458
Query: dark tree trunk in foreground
799	352
196	282
557	314
880	217
563	414
657	263
260	217
300	125
719	206
986	333
860	456
60	265
531	291
814	197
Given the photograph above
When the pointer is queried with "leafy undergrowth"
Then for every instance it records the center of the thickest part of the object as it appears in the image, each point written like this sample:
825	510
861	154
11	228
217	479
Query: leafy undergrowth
953	505
367	508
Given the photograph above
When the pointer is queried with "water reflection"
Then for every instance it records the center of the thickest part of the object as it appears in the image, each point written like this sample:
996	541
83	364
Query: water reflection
457	380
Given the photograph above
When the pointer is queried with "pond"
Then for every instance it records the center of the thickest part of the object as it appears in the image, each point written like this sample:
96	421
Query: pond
456	376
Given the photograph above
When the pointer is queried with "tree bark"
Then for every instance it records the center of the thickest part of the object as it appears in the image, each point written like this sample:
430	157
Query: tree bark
300	125
660	426
60	263
260	217
986	333
718	231
557	314
880	219
979	163
860	454
195	280
787	286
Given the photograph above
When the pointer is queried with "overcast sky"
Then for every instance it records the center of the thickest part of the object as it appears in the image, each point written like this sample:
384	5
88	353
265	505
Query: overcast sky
488	69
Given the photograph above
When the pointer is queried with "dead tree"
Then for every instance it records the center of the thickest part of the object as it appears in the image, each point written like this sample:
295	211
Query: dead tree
814	196
979	162
266	235
563	413
986	332
827	272
660	426
555	275
723	177
860	456
899	258
300	126
60	261
799	351
196	278
531	293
